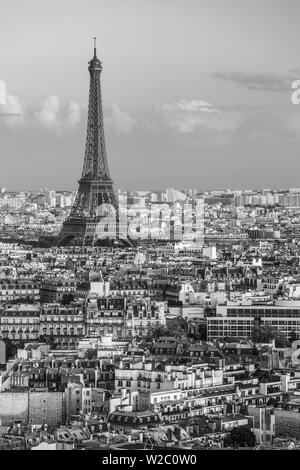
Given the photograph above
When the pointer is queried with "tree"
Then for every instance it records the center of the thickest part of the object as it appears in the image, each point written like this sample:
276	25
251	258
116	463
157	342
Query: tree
173	328
266	334
263	334
241	436
12	347
263	375
272	402
49	340
294	336
244	410
67	299
158	331
281	341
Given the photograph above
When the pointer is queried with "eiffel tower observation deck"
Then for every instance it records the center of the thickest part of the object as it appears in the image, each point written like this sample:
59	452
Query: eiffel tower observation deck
94	217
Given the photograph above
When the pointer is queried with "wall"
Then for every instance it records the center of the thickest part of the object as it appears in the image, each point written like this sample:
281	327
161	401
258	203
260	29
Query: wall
2	352
287	423
13	407
33	408
47	407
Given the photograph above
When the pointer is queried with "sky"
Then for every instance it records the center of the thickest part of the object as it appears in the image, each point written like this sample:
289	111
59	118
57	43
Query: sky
196	93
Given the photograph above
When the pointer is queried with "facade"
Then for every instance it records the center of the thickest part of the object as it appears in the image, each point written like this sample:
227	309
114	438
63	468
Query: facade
32	408
288	422
263	423
20	322
105	316
55	290
62	325
143	316
18	289
238	321
2	352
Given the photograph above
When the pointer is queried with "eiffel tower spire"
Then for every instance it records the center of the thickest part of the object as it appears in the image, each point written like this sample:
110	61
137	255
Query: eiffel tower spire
95	48
95	185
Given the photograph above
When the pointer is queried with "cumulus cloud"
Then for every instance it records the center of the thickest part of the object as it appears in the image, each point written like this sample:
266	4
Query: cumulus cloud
2	92
52	113
74	113
120	121
221	125
209	123
259	81
196	118
186	117
48	113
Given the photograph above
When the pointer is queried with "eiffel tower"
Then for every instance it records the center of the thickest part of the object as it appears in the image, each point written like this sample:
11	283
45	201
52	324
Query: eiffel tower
94	217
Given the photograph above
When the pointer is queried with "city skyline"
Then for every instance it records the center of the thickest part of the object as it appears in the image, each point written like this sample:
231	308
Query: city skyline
177	105
149	324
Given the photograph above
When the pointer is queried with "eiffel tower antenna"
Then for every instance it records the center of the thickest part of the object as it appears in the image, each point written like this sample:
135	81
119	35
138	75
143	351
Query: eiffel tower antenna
95	47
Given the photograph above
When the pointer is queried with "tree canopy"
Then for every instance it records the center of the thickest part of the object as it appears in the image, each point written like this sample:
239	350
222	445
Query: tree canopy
241	436
266	334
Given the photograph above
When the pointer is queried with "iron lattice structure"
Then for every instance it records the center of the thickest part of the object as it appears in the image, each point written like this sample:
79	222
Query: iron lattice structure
95	191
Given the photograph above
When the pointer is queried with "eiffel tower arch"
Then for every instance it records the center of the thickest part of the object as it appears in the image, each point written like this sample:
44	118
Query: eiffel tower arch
94	217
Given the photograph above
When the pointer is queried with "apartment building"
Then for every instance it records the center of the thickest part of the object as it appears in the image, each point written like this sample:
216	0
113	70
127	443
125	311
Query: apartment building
263	423
12	290
143	315
65	326
55	290
20	322
106	316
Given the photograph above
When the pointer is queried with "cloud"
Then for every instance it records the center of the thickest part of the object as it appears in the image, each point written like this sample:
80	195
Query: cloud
74	113
48	113
186	117
120	121
209	124
215	125
52	114
259	81
193	105
196	119
2	92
